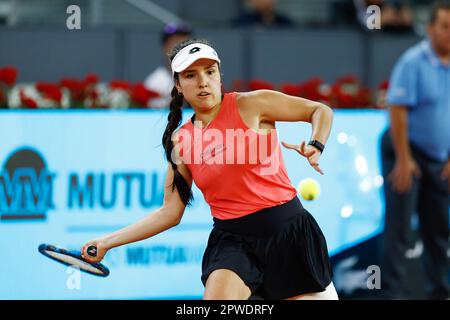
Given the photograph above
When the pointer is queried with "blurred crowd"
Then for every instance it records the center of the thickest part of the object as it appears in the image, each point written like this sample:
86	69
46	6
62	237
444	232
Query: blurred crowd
395	15
154	90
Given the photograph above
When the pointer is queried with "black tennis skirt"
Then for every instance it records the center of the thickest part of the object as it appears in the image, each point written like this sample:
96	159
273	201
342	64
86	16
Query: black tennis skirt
279	252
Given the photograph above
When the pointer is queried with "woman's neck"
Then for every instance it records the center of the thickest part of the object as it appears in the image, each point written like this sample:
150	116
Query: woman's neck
208	115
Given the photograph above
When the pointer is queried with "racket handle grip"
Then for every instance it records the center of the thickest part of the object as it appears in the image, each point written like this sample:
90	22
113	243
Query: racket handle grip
92	251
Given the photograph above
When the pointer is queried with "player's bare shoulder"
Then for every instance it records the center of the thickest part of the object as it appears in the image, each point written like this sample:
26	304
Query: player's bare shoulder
253	99
252	106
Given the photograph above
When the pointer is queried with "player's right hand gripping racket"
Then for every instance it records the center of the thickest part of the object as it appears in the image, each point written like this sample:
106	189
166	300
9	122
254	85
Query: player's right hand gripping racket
92	251
74	258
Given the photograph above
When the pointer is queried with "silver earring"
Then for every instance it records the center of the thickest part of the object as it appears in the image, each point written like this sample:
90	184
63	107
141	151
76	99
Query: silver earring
180	93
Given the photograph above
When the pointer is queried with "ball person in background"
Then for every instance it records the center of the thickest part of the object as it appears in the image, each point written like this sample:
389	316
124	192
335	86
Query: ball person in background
160	80
264	243
415	159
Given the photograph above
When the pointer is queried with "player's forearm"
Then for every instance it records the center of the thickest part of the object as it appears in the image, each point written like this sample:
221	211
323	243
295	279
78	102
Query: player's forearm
399	132
147	227
321	121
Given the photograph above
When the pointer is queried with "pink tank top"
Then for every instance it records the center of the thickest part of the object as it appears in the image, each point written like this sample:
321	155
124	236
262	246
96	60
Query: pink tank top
238	170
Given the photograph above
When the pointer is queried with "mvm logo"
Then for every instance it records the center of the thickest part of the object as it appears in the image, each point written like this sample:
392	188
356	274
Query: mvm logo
26	186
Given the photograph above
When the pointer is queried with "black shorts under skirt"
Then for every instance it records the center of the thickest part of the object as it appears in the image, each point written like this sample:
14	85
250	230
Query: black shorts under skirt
279	252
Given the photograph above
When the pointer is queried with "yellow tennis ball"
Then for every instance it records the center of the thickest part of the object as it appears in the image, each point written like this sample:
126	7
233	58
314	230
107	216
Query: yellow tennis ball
309	189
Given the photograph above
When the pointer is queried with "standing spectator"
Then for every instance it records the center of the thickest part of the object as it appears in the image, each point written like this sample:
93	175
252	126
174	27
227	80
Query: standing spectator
160	80
262	14
415	158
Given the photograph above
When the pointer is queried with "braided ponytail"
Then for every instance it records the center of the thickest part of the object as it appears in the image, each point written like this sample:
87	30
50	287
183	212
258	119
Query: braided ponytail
174	120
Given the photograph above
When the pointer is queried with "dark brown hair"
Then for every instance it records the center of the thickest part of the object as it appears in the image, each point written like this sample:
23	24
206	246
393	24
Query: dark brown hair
438	6
173	121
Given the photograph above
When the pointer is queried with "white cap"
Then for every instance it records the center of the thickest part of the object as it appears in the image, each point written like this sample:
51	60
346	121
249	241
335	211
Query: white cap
191	53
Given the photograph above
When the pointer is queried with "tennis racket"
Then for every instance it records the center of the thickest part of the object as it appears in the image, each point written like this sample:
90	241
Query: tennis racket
74	258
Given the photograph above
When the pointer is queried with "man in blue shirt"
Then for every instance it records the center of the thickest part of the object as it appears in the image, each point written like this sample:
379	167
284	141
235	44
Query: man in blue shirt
415	159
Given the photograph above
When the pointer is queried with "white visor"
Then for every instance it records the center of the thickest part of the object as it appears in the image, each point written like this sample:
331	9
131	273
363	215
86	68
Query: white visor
188	55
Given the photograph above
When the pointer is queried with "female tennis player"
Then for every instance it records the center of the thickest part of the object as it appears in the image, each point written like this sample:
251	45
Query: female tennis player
263	243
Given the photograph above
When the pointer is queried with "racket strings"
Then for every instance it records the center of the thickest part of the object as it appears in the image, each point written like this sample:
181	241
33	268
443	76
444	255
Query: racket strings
74	262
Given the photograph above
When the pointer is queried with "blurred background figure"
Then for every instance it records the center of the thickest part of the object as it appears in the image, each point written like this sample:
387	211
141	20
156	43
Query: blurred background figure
396	15
262	13
160	80
415	159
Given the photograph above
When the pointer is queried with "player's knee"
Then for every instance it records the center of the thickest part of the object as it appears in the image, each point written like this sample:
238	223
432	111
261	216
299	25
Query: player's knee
225	285
226	294
219	295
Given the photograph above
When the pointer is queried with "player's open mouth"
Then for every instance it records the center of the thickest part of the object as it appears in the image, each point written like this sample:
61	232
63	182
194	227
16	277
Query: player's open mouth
203	94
